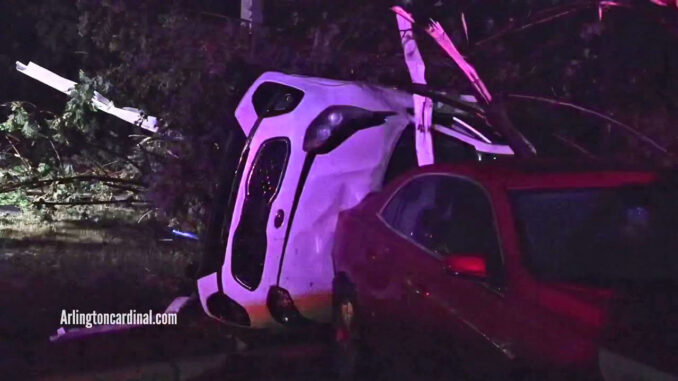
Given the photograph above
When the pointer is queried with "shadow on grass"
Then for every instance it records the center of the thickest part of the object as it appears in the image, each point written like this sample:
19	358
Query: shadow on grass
108	267
45	269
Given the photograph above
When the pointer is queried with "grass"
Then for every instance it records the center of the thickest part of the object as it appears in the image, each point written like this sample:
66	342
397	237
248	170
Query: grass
112	265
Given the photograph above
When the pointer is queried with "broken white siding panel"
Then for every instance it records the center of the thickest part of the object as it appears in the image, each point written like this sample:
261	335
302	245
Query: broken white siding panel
436	31
128	114
423	106
47	77
479	145
423	115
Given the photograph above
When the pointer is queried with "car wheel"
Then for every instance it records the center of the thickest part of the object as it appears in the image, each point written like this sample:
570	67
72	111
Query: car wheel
346	336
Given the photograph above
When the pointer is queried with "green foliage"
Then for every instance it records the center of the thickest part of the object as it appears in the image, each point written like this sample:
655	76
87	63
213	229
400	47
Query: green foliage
17	198
19	121
43	148
189	65
76	114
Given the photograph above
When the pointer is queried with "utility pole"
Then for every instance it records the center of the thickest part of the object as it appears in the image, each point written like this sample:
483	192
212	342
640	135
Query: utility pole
252	11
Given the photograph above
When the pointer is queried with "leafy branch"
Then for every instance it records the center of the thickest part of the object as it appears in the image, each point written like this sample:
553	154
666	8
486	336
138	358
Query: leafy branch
37	183
91	202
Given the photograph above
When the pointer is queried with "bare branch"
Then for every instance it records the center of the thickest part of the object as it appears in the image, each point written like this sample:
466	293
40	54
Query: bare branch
577	147
544	16
37	183
119	156
625	127
91	202
56	153
18	154
123	187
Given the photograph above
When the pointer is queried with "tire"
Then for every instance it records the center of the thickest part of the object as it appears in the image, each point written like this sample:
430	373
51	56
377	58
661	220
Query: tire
347	346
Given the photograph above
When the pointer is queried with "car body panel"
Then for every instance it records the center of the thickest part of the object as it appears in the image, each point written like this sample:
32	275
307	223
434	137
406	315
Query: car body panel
341	180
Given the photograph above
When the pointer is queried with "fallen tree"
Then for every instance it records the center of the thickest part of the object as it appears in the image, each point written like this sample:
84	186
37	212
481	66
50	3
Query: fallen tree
189	66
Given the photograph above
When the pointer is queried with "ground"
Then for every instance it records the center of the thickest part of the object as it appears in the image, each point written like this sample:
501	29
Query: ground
115	266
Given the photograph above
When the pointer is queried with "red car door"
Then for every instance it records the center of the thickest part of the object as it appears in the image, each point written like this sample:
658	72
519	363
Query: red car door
377	270
436	221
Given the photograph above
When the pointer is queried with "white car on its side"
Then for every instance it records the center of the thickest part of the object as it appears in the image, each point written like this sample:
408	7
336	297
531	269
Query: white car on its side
314	147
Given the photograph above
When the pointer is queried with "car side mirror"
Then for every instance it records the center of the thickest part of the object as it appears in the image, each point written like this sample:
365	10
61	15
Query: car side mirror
467	265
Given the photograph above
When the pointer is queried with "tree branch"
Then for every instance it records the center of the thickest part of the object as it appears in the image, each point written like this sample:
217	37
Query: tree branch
56	153
119	156
36	183
91	202
628	129
123	187
575	146
544	16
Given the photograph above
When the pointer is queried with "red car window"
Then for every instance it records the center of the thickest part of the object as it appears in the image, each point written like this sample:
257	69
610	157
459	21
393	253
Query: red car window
446	150
600	234
446	215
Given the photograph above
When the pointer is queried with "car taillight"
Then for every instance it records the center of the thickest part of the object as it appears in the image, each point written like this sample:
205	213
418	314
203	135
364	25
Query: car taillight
282	308
335	124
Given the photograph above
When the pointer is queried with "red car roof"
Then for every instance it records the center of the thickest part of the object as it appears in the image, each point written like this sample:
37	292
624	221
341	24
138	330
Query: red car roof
538	173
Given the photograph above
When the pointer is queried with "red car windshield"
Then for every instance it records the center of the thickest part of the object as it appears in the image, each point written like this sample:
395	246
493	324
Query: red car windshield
599	235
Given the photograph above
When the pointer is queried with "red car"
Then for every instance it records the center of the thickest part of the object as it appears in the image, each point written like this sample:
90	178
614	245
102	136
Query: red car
516	267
